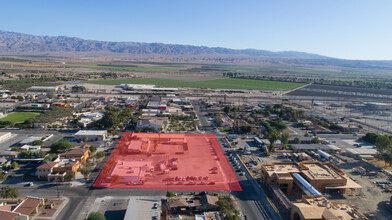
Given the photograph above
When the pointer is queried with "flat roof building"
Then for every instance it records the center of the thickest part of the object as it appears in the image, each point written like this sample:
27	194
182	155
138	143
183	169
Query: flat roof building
130	171
315	147
321	176
92	135
44	88
320	208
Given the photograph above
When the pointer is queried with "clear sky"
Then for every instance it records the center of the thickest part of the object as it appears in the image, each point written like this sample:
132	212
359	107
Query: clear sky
350	29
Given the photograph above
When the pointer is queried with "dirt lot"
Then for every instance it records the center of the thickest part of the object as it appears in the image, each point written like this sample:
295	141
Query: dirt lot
372	198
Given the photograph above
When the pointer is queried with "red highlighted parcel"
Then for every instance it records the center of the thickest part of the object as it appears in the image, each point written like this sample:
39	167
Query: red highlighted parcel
168	161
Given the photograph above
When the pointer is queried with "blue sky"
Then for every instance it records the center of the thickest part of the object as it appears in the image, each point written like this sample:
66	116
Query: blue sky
350	29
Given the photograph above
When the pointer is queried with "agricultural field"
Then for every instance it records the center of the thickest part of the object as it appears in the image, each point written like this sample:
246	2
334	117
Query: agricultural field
225	83
19	117
153	68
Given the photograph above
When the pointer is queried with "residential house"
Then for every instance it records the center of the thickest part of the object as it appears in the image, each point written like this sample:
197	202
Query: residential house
29	206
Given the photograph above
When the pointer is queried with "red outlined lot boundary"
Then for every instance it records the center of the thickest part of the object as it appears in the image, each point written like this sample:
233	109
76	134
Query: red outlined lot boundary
168	161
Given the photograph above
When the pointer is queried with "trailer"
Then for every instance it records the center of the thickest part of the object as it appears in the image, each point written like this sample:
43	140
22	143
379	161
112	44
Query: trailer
324	154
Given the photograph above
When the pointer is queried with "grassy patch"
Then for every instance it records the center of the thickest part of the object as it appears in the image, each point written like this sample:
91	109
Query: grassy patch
19	117
226	83
226	130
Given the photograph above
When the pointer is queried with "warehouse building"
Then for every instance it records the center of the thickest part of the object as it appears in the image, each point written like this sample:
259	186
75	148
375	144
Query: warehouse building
92	135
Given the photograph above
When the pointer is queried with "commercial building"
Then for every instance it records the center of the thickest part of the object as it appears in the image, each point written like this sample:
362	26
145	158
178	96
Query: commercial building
310	177
320	208
91	135
156	105
69	163
362	152
129	171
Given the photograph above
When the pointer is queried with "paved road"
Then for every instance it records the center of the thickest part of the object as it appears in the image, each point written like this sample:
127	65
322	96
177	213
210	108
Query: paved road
252	200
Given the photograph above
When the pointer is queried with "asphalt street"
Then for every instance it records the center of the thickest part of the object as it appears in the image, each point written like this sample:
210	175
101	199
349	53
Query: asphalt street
251	199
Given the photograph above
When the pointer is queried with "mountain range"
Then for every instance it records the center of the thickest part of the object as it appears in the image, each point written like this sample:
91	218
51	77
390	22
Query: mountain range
19	43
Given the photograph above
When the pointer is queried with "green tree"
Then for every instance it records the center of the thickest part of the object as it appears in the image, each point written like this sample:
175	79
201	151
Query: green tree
382	143
315	140
281	126
38	142
60	146
297	140
50	157
96	216
284	138
169	194
109	119
9	192
92	149
85	139
272	136
99	154
85	172
246	129
69	176
14	165
370	137
227	109
387	158
218	121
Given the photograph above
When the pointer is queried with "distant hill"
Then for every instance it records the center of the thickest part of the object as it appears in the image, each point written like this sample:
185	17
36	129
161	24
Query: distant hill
18	42
11	42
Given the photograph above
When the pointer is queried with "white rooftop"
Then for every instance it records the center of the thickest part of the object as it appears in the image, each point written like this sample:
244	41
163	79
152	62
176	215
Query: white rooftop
91	132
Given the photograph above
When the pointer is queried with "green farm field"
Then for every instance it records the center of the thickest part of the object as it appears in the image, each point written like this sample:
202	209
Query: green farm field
226	83
19	117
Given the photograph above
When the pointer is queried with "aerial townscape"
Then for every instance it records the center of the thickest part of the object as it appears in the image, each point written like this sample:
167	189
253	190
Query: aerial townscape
115	129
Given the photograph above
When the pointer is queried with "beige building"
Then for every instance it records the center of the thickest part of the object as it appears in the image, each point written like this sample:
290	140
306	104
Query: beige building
321	176
320	208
